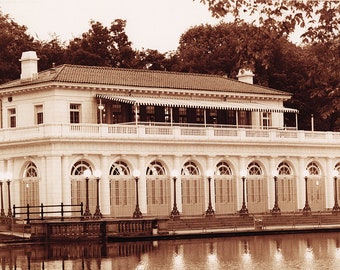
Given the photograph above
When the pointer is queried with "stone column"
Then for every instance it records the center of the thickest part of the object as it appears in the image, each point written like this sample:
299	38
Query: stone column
104	183
177	166
66	180
300	183
270	180
15	184
44	177
54	180
210	166
329	184
142	185
242	166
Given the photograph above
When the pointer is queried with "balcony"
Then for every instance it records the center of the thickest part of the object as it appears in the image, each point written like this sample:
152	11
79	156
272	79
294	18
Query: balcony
147	131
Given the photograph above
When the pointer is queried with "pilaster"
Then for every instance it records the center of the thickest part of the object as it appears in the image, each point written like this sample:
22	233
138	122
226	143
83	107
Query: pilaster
104	186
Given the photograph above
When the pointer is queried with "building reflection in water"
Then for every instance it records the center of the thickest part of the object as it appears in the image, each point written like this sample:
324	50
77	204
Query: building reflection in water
246	256
337	249
212	259
278	253
177	259
303	251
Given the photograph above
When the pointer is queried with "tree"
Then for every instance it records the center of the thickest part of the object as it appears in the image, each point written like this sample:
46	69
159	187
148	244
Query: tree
150	59
225	48
13	41
102	46
309	73
51	52
320	18
323	82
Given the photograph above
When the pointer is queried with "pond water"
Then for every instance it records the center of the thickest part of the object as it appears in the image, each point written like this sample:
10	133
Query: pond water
292	251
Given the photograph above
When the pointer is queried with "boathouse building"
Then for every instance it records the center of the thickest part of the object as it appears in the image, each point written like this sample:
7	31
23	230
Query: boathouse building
192	141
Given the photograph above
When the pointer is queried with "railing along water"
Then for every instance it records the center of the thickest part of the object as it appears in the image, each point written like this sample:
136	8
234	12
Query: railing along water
42	212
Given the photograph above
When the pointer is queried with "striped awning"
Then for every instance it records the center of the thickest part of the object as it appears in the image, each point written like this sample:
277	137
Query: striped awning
195	103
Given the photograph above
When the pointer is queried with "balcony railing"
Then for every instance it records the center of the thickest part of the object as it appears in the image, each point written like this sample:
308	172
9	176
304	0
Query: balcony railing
144	131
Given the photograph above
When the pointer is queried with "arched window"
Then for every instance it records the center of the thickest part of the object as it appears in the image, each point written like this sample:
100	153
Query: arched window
79	168
284	169
315	186
286	192
190	168
337	167
29	187
78	186
223	168
30	170
255	187
122	189
155	168
157	188
313	169
254	169
224	188
119	168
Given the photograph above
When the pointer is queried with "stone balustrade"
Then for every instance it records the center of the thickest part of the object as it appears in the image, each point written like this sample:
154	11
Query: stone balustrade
182	132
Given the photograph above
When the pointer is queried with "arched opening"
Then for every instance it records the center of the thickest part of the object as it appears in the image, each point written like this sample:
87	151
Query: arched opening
315	187
158	189
78	185
29	186
286	192
122	190
256	188
192	193
224	188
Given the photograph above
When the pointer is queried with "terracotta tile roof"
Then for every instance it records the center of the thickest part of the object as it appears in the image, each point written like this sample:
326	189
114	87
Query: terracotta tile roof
143	78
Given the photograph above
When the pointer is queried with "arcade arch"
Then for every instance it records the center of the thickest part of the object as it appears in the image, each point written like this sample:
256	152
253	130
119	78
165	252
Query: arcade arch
256	188
286	183
158	189
192	189
315	187
225	190
78	185
29	186
122	189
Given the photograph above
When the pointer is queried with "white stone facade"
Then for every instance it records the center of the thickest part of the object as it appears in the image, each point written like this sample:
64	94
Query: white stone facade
52	130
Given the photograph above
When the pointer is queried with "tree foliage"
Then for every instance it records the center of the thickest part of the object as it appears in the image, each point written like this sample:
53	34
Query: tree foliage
310	73
323	81
321	19
13	41
102	46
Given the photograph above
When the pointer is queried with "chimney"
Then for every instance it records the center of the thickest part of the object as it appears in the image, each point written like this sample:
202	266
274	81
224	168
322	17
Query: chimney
245	75
29	65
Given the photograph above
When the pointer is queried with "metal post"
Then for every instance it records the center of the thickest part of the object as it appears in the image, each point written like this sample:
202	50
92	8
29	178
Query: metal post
87	213
336	207
62	211
175	212
306	210
28	213
41	211
244	210
276	209
97	214
210	211
2	202
9	214
137	213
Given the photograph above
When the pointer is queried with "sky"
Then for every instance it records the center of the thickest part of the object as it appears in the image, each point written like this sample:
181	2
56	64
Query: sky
151	24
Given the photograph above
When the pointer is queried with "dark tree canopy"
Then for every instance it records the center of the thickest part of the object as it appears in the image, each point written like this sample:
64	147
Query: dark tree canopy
13	41
320	18
310	73
102	46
